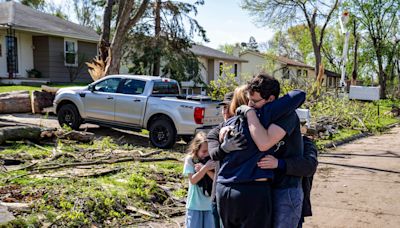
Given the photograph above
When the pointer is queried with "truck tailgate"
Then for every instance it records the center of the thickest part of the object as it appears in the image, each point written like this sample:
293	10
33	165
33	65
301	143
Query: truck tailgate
212	115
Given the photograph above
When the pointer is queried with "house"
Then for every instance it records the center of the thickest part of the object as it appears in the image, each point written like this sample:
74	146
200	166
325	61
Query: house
30	39
212	61
256	63
284	68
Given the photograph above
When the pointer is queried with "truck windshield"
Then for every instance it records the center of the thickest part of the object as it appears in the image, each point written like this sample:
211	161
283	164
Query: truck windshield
165	88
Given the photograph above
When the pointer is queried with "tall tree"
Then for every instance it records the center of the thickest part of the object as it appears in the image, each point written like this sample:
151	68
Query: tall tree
128	15
280	14
162	40
86	13
36	4
379	18
252	44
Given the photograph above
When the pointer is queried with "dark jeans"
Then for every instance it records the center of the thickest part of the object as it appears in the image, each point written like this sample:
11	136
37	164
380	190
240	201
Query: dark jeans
287	206
245	205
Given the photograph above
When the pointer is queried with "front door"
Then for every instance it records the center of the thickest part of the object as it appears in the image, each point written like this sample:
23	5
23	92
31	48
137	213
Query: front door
100	104
131	102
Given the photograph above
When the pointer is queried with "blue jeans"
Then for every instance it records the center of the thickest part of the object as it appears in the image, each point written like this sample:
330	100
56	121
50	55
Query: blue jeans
287	205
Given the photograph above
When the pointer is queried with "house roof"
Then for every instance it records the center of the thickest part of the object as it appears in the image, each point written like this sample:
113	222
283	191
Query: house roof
259	54
291	62
24	18
208	52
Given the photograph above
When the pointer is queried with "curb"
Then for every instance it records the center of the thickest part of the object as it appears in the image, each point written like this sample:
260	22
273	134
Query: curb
355	137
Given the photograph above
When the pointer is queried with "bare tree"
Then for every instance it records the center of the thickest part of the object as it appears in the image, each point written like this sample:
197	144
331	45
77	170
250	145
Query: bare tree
283	13
110	49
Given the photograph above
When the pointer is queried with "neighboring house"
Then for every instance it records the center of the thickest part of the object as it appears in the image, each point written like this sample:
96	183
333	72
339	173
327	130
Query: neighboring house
256	63
284	68
212	60
30	39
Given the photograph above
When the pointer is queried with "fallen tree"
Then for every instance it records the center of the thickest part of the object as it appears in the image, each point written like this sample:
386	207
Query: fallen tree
15	102
16	133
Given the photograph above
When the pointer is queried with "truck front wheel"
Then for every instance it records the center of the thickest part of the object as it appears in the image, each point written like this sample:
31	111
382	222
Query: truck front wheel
162	133
69	115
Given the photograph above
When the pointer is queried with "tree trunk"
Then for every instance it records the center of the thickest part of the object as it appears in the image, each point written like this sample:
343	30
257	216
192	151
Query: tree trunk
19	133
49	89
15	102
381	77
157	32
41	100
125	23
105	35
316	48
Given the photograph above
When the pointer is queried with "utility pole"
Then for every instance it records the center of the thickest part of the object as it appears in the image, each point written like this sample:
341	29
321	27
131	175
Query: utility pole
343	20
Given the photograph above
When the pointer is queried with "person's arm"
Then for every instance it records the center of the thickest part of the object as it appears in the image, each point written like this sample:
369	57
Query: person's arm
196	177
305	165
264	138
283	106
211	174
214	149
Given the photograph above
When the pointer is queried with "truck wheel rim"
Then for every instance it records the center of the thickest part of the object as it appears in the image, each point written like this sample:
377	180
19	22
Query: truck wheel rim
161	134
68	117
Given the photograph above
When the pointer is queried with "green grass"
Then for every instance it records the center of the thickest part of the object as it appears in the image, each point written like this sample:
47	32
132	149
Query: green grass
10	88
25	152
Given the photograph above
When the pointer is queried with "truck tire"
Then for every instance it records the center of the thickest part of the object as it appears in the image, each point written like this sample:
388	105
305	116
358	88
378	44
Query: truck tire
162	133
68	114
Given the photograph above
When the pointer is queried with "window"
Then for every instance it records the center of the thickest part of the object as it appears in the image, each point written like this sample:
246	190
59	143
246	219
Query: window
305	73
132	86
298	73
221	65
285	73
70	52
236	70
108	86
165	88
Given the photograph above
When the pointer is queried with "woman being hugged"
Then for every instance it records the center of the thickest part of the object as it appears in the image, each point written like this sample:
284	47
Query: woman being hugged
199	169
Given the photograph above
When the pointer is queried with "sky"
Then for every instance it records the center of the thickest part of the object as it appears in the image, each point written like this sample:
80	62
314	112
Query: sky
225	23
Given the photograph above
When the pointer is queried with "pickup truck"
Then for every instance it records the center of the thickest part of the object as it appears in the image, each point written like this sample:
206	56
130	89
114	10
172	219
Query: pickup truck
136	102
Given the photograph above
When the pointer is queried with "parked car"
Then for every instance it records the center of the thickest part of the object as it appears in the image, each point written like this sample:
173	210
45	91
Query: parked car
135	103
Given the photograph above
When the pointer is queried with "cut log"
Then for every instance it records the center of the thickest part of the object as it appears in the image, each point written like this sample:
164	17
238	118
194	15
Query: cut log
80	136
19	133
49	89
41	100
15	102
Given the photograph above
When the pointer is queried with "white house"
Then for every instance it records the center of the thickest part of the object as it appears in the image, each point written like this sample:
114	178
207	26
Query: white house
212	61
30	39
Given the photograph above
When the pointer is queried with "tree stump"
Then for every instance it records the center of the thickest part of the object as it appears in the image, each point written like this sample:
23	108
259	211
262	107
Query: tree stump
15	102
41	100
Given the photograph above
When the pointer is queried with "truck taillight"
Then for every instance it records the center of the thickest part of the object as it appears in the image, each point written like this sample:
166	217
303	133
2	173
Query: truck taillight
198	115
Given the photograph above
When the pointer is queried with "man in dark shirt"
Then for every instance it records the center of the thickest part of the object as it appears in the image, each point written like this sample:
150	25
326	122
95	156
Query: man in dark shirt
287	189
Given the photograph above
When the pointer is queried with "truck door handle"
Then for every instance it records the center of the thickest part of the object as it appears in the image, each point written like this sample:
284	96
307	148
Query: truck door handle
136	100
110	98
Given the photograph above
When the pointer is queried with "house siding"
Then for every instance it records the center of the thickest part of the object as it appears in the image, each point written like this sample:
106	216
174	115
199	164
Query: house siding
49	58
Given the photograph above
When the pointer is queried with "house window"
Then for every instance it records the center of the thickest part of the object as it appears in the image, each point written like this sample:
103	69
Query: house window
221	65
285	73
298	73
70	52
305	73
236	70
12	54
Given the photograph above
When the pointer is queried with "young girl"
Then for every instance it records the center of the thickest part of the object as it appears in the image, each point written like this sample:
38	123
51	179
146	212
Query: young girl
199	172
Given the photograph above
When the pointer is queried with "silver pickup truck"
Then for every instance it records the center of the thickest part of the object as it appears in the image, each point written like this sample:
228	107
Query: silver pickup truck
135	103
